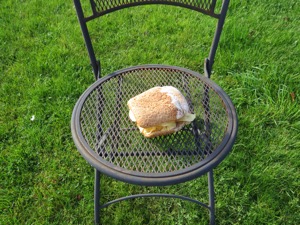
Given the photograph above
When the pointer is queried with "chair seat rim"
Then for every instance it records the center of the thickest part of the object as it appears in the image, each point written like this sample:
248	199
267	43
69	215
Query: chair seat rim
163	178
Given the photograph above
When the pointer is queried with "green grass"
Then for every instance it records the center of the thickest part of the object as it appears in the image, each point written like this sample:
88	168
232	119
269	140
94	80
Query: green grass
44	68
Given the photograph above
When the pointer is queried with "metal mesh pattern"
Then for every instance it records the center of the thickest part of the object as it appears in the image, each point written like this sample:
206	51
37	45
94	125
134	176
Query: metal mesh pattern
104	5
106	127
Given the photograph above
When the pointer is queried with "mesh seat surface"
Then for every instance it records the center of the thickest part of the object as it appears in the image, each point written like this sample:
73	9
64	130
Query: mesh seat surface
102	124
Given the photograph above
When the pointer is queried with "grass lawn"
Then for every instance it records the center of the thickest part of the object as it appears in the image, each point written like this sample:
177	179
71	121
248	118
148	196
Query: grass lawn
44	68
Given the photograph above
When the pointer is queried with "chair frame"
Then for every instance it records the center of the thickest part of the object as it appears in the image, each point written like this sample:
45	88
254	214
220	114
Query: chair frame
96	66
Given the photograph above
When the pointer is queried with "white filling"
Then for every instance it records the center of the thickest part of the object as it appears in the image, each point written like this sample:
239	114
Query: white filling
187	118
131	116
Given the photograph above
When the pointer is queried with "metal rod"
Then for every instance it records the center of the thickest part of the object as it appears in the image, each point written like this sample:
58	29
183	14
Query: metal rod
95	64
97	197
206	106
217	35
118	106
154	195
195	128
211	197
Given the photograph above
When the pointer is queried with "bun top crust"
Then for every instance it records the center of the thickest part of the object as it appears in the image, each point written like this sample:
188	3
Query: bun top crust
158	105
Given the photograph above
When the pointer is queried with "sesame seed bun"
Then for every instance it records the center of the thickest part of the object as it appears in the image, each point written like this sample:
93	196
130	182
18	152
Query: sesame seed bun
156	106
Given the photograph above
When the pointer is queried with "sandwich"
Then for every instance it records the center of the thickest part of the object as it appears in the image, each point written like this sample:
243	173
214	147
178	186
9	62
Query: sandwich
160	111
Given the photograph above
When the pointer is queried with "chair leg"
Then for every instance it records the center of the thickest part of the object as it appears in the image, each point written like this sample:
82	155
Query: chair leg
211	197
97	197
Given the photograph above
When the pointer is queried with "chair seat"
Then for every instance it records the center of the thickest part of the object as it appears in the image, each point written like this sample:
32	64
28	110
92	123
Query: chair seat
112	143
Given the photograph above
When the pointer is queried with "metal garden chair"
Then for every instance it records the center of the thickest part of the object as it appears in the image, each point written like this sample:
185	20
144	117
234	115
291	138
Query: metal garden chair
112	144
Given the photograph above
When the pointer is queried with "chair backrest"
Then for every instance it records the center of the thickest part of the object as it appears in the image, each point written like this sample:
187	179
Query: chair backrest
102	7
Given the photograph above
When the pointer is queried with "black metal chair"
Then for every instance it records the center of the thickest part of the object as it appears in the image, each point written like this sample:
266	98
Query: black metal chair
112	144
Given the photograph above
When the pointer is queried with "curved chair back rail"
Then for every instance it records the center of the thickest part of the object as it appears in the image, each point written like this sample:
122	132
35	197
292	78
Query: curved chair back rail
102	7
